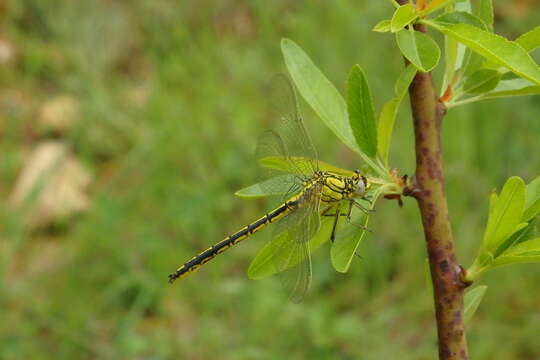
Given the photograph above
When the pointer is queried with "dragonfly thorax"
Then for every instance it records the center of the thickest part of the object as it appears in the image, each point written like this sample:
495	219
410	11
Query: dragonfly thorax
338	187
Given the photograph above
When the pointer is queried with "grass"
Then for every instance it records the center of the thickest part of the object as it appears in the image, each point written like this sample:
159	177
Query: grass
171	100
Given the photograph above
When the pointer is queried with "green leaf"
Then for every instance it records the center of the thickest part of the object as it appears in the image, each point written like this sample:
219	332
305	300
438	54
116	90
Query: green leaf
389	112
483	9
319	92
279	185
461	17
526	248
532	200
265	263
387	118
506	214
435	5
493	47
451	50
466	60
348	237
421	50
493	198
482	81
530	40
472	300
522	235
382	26
361	113
285	164
404	81
323	97
514	87
402	17
509	260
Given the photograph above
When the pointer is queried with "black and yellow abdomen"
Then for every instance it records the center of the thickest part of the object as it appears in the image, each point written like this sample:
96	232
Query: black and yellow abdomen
208	254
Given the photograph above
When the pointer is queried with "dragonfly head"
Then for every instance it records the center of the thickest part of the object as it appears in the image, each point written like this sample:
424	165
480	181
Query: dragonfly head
361	184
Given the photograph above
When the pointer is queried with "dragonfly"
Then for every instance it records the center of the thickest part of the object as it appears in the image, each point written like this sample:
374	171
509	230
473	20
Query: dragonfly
307	194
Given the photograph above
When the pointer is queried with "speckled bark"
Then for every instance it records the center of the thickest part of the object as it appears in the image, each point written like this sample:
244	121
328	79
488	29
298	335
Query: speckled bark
448	291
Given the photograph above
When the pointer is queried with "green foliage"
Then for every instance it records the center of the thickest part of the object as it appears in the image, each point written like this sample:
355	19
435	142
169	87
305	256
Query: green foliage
509	237
389	112
279	184
483	9
266	263
322	96
420	49
472	300
532	200
505	217
461	17
361	113
349	236
382	26
481	81
403	16
530	40
282	164
436	5
493	47
319	92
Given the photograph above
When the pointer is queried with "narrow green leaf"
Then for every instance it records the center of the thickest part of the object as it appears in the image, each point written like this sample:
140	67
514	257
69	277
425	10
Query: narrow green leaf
451	47
493	47
361	113
421	50
286	165
382	26
493	198
522	235
509	260
266	264
530	40
349	236
279	185
514	87
387	118
472	300
389	112
404	81
483	9
435	5
532	200
461	17
524	248
482	81
319	92
506	214
402	17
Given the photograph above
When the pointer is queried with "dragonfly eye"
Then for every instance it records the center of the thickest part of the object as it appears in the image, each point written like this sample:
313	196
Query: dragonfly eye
360	187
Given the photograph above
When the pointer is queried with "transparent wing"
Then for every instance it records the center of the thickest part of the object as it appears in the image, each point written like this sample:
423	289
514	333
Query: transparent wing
292	258
270	144
289	139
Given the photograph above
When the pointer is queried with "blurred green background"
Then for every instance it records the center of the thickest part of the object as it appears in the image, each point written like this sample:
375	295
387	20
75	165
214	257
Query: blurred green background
164	101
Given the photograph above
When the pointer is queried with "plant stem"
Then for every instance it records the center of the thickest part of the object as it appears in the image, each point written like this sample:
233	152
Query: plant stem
446	273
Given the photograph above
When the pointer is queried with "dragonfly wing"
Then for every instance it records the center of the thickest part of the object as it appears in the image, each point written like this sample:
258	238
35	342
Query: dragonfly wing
291	257
270	144
291	139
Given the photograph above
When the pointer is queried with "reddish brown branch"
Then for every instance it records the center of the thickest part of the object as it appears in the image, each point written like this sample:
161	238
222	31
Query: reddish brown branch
448	289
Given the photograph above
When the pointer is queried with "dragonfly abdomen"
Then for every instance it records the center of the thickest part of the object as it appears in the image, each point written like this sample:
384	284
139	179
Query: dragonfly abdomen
197	261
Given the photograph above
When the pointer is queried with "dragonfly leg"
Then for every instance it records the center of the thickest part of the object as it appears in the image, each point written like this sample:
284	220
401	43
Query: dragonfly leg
367	211
334	226
358	205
